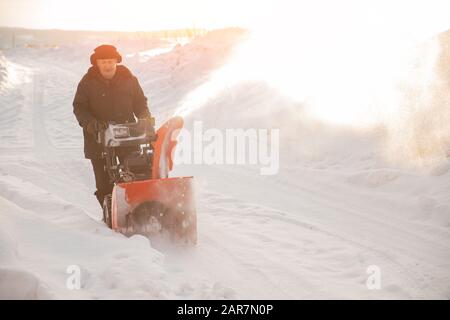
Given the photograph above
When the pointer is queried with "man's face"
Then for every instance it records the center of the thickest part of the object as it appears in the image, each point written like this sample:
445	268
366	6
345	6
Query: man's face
107	67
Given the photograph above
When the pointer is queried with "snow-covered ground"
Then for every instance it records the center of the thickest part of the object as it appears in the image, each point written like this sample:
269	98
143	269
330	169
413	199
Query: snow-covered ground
337	209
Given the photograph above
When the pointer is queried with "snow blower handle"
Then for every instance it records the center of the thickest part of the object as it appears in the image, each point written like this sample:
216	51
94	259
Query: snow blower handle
149	127
100	127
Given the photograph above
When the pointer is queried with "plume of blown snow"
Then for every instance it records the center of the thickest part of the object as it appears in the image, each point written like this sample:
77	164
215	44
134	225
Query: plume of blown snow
420	133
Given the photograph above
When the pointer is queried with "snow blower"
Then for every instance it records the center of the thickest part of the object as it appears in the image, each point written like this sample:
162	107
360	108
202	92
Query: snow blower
145	200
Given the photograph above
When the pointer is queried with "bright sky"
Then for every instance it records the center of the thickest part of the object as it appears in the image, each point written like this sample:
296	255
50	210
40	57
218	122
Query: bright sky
134	15
130	15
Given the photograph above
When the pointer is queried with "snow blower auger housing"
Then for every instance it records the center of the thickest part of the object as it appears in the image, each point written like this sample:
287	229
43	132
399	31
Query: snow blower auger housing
144	199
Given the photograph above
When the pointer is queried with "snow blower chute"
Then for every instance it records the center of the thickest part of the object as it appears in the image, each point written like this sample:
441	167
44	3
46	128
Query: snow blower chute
144	199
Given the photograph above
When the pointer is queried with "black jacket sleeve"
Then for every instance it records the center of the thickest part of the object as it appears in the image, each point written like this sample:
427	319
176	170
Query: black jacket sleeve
140	107
81	105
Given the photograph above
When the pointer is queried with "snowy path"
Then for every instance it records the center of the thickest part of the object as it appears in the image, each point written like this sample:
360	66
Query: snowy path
305	233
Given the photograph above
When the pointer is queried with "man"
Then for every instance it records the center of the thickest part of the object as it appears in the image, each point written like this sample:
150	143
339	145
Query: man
107	92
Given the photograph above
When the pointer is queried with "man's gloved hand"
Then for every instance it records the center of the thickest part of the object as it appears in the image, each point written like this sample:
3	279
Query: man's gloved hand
95	126
150	127
151	121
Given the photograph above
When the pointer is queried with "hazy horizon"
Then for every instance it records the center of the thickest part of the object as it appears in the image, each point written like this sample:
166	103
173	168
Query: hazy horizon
407	18
133	15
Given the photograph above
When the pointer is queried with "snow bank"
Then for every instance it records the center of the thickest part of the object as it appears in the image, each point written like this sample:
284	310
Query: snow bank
109	266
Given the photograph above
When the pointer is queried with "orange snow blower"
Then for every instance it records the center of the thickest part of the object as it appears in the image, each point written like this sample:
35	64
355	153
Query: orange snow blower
144	199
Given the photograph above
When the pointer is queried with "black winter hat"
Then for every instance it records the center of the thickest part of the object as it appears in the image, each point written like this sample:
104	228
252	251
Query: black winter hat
105	51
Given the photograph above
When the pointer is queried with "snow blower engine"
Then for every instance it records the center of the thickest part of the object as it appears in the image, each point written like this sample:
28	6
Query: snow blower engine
144	199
